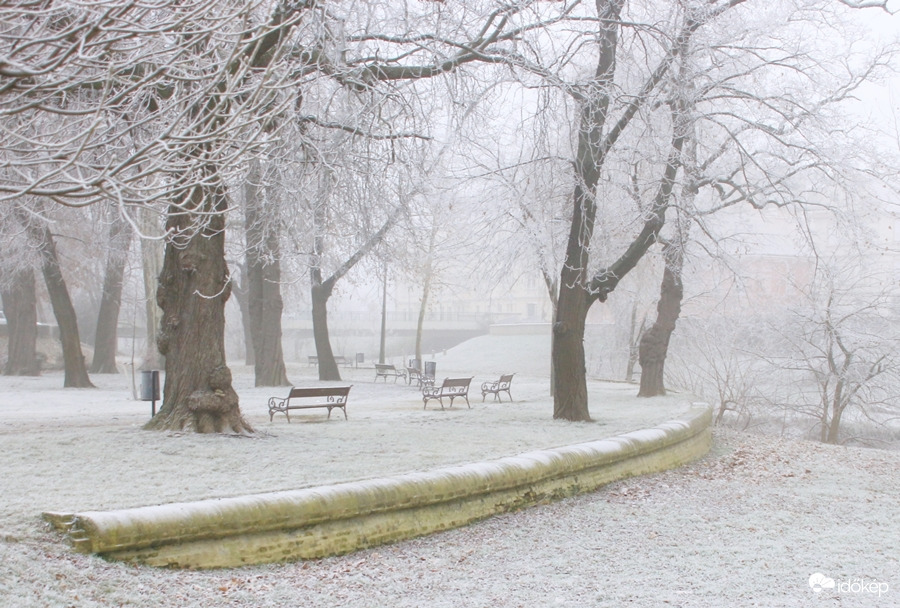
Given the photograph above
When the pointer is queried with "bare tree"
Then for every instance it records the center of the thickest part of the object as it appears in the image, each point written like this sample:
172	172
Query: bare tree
716	359
597	135
843	352
756	146
38	231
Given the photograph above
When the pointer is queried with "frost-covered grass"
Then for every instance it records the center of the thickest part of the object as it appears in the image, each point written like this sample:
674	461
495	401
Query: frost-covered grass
746	526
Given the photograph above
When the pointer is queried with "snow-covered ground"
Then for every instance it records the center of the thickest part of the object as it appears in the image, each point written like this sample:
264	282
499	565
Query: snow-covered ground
746	526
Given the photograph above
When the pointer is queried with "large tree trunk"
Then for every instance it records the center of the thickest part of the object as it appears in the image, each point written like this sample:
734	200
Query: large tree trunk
106	337
76	375
570	401
264	302
654	344
193	288
20	308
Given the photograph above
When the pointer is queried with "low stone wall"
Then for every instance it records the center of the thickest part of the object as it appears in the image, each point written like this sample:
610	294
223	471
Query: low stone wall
328	520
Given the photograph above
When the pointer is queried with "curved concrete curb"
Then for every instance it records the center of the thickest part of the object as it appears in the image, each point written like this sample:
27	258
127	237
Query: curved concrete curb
329	520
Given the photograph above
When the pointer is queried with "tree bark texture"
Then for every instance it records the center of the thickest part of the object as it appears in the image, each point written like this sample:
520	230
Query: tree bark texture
193	288
20	308
76	374
106	336
570	399
654	343
263	279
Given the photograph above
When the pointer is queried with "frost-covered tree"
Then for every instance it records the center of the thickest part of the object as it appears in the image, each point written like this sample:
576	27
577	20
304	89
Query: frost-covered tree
160	103
841	350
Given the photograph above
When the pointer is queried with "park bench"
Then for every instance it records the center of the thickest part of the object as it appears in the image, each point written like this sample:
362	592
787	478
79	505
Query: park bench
497	387
338	359
450	388
304	398
414	371
383	370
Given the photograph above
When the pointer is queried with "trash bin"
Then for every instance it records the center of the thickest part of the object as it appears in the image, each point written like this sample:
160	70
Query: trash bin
150	387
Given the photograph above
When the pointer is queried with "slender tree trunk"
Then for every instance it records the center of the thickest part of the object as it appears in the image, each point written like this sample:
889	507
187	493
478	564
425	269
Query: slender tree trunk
321	290
151	258
428	276
328	369
239	291
193	288
837	411
264	302
76	375
20	308
654	344
423	310
382	347
634	335
106	337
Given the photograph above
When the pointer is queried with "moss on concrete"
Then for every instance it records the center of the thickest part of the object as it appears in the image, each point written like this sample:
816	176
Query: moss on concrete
329	520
